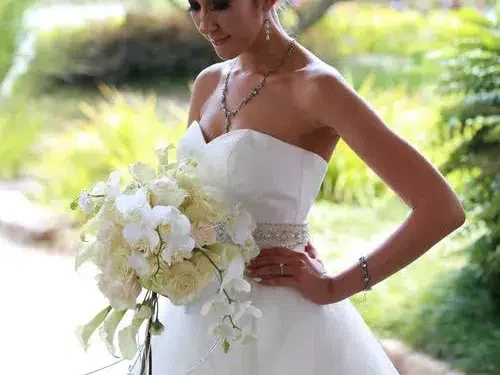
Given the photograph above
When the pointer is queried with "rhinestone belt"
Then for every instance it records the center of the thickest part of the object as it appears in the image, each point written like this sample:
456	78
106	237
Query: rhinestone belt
272	234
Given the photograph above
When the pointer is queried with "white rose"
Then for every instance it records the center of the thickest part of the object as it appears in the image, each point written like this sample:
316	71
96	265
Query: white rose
116	262
203	233
165	192
122	293
98	251
160	280
204	267
184	284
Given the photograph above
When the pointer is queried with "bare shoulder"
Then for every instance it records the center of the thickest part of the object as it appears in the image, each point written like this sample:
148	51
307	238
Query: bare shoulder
327	93
210	75
204	85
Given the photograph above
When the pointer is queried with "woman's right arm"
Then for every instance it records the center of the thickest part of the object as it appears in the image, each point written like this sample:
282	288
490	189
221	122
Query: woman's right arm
203	86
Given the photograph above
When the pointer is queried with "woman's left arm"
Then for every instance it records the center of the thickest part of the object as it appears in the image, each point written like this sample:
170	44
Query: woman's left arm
435	209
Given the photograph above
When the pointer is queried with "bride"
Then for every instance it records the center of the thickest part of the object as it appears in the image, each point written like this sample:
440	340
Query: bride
269	117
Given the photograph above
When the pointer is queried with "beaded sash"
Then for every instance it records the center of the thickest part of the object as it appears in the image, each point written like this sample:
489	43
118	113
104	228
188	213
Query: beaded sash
272	234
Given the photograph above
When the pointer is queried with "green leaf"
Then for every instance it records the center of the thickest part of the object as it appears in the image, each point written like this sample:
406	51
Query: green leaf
85	253
109	327
85	332
225	346
127	339
127	342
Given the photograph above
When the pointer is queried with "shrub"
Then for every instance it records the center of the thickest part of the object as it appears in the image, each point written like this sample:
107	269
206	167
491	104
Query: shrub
472	77
20	127
352	29
120	130
456	320
120	47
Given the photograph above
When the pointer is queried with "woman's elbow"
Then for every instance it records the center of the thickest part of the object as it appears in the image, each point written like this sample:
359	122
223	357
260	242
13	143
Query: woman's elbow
453	214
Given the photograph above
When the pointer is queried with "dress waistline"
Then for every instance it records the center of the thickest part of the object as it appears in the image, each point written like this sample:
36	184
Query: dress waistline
273	235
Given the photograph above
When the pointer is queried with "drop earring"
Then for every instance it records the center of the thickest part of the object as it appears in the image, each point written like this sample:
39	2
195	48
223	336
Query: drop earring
267	27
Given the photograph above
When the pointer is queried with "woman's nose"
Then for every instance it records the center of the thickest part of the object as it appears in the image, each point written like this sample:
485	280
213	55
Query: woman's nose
206	23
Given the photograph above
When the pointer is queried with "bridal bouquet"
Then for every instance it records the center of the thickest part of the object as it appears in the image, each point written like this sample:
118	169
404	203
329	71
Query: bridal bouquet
164	232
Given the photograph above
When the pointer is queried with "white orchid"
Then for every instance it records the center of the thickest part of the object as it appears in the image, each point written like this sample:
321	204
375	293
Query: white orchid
86	203
109	189
233	280
244	309
241	226
224	329
246	336
218	303
175	230
141	221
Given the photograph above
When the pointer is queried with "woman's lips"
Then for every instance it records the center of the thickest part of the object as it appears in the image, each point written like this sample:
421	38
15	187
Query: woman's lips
219	41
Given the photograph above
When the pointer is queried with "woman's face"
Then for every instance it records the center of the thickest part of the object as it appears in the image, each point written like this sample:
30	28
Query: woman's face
230	25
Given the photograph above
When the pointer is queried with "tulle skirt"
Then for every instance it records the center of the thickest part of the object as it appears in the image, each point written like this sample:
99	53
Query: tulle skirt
295	337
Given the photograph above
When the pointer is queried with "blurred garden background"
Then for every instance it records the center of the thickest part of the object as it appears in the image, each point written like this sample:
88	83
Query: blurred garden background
87	87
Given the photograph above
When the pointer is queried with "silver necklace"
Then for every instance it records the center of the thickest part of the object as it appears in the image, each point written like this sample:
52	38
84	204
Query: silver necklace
229	114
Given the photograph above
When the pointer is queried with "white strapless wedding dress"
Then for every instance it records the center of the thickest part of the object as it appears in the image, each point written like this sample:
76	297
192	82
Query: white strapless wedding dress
277	182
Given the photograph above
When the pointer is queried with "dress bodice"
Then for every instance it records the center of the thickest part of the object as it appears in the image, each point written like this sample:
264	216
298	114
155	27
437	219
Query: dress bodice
275	181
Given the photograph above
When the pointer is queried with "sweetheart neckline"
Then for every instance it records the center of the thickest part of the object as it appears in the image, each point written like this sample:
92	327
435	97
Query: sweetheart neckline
202	137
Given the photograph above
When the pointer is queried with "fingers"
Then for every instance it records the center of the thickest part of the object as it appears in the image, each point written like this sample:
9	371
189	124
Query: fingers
311	250
274	270
261	261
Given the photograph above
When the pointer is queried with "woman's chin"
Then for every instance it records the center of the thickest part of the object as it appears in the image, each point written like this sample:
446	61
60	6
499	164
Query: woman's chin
226	54
226	50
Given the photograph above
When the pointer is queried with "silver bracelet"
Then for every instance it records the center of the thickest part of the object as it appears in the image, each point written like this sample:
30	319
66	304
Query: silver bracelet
364	271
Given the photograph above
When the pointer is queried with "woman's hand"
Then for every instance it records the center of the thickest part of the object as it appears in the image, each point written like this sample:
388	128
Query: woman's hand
311	250
301	271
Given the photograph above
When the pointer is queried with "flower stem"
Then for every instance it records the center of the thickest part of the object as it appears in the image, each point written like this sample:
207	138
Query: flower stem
220	271
230	300
160	245
232	322
147	358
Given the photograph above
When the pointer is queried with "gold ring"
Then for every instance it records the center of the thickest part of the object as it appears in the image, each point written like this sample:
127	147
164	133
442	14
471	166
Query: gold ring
281	268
